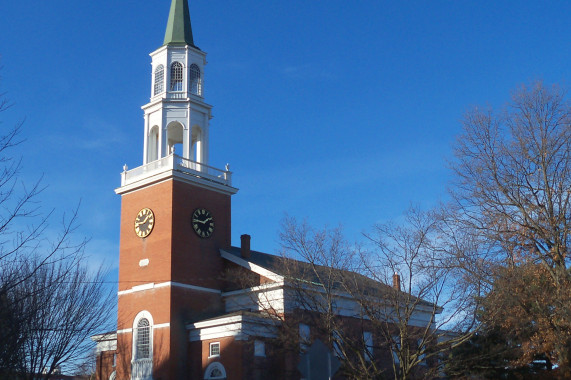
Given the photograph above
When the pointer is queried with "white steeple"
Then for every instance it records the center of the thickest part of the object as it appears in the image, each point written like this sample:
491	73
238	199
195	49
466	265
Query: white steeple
177	118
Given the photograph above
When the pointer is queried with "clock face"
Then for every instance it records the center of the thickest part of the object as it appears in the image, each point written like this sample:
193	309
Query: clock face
202	222
144	222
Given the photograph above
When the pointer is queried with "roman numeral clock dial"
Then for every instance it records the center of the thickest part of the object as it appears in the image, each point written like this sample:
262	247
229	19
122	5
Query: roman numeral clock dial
144	222
202	222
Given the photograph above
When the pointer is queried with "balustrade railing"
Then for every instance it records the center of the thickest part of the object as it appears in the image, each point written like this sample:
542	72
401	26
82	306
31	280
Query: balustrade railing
176	95
180	164
142	369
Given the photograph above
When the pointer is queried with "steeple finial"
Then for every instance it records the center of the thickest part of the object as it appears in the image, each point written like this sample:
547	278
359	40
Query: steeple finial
179	31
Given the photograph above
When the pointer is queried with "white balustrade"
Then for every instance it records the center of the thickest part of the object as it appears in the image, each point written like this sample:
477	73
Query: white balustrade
180	164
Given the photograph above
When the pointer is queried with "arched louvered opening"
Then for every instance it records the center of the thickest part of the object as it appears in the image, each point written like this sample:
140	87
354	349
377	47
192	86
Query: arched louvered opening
176	76
195	80
159	80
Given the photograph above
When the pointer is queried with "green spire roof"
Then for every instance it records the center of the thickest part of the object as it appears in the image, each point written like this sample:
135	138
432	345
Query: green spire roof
179	31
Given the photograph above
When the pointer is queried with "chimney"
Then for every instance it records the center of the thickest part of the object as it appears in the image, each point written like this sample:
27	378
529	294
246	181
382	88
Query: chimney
396	281
245	246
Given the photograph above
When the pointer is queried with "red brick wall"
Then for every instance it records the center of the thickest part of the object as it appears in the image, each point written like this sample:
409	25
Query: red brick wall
176	254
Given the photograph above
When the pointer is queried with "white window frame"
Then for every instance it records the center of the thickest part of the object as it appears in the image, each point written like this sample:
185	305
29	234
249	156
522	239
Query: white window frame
213	344
149	317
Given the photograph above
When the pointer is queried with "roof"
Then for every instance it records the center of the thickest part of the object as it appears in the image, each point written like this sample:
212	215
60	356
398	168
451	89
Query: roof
179	30
316	274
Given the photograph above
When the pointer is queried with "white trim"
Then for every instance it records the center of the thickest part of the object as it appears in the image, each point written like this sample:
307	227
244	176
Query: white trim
193	287
263	287
152	285
159	326
251	266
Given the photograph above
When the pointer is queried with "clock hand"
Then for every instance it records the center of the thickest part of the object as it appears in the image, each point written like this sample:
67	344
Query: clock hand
144	220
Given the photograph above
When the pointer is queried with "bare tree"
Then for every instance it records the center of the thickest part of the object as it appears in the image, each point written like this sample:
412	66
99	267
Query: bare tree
341	292
49	302
430	311
512	195
63	304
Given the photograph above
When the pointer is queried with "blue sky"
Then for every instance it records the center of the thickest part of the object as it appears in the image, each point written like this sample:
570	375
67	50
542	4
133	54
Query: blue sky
339	112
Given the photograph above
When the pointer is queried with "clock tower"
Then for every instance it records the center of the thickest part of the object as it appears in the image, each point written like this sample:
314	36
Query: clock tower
175	216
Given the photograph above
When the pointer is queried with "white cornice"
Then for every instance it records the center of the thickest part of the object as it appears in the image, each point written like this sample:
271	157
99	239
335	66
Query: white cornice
164	102
241	327
176	175
251	266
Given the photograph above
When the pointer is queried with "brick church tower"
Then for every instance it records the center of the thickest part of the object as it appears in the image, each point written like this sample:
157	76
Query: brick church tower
175	216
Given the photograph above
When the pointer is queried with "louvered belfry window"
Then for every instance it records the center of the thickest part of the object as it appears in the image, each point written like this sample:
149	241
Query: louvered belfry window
159	79
194	80
143	339
176	76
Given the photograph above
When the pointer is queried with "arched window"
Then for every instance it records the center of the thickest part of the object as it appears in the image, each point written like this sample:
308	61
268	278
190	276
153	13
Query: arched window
215	371
143	348
194	80
159	79
176	76
113	375
142	354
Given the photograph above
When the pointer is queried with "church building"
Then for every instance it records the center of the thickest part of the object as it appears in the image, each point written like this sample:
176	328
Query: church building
179	315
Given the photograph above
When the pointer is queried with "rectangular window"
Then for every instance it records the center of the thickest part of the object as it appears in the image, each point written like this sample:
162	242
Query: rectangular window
421	351
396	349
368	343
214	349
304	337
259	348
337	344
114	360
